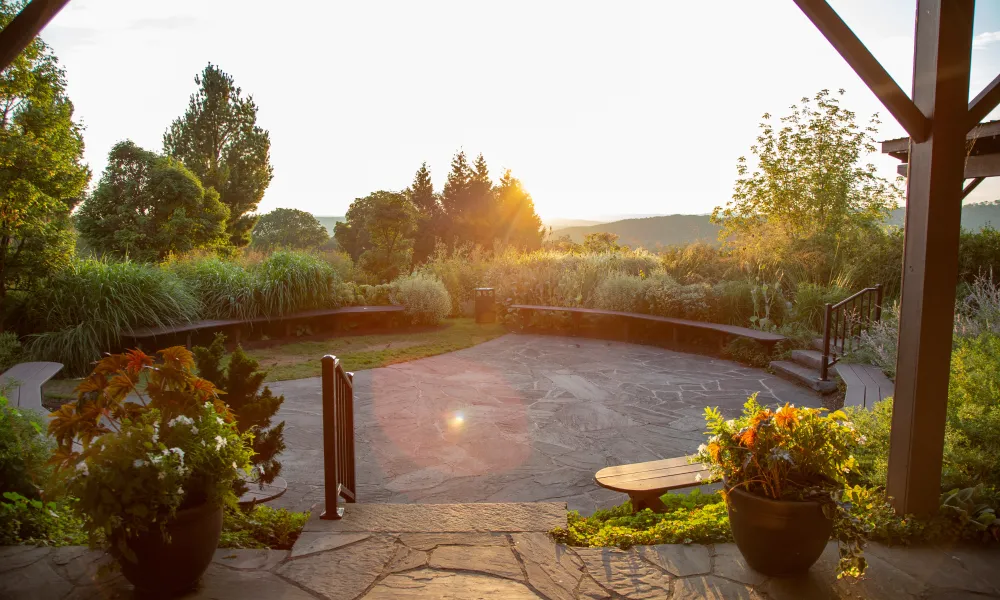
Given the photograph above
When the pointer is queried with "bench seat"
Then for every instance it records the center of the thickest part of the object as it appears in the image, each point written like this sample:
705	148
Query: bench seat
646	482
764	337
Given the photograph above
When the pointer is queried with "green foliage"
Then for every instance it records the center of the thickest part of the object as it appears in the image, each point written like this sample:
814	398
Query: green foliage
147	206
809	205
809	307
134	457
698	262
24	450
84	308
429	214
42	175
748	352
288	228
218	139
261	527
424	296
378	232
689	518
621	292
11	351
253	408
516	223
601	242
38	523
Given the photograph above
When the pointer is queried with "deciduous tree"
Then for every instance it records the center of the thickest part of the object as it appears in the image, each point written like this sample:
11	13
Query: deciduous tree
42	176
378	233
516	223
147	206
288	228
219	140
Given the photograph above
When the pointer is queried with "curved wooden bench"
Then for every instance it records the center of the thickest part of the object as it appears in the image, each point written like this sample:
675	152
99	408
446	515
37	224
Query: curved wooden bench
726	332
23	383
646	482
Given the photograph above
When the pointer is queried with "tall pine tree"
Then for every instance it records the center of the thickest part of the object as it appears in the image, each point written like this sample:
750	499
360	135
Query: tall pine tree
429	213
517	224
481	218
455	199
219	140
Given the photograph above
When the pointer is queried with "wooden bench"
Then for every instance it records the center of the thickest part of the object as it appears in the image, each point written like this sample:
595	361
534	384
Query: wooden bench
25	383
233	325
646	482
726	332
866	384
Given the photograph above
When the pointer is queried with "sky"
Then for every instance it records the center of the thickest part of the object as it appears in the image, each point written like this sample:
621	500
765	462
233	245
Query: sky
600	108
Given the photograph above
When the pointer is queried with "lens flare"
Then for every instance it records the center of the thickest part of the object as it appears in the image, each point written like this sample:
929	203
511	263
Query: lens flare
456	420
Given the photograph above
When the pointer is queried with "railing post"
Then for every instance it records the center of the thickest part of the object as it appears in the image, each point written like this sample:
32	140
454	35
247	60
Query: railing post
825	364
878	302
330	483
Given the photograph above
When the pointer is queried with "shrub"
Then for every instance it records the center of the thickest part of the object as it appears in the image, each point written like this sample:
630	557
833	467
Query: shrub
425	298
289	282
84	309
667	298
241	379
809	307
11	351
697	262
31	521
24	451
261	527
733	302
224	288
621	292
748	352
879	344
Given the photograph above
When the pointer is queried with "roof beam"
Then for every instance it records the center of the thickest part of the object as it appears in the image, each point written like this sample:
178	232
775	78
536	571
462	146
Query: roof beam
971	186
982	104
16	36
986	165
867	67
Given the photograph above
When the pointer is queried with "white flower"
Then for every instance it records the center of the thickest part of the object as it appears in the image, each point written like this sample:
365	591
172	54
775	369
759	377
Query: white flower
161	475
702	448
234	465
180	491
697	477
219	442
219	419
137	463
194	430
81	468
863	440
182	420
731	423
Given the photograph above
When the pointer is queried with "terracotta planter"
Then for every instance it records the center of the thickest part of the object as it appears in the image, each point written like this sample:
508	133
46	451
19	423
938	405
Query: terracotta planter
778	537
165	568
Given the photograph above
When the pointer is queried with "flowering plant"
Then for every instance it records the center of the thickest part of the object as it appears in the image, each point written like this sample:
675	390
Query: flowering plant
143	440
790	453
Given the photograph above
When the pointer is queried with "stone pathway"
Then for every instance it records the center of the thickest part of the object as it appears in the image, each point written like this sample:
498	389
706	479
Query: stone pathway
474	551
520	418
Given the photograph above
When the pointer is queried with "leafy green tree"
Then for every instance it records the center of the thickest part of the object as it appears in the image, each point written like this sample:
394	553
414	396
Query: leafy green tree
288	228
219	140
378	233
253	408
808	200
147	206
601	242
428	214
516	223
41	174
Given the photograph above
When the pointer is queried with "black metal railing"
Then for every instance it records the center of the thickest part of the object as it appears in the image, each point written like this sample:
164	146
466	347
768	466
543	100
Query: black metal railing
338	436
845	321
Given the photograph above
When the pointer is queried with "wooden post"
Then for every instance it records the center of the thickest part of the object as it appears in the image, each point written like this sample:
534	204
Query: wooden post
942	54
330	483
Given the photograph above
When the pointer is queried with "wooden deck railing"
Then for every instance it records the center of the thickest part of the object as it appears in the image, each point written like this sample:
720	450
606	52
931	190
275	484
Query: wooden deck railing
845	321
338	436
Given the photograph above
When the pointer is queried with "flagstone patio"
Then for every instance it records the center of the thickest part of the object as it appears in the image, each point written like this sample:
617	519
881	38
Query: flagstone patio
474	551
519	418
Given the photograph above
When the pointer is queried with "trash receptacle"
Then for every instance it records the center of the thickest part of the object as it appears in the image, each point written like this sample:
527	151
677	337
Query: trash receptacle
486	311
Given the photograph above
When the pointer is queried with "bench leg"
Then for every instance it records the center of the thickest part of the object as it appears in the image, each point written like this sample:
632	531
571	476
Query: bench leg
650	500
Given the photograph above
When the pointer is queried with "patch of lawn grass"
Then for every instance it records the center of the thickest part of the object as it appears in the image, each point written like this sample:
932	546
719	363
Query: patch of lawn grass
296	360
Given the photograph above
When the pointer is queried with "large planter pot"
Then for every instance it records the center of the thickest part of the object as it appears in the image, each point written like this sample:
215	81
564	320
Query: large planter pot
778	537
163	568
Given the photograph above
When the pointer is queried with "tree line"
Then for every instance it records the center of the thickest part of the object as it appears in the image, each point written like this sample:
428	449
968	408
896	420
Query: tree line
386	232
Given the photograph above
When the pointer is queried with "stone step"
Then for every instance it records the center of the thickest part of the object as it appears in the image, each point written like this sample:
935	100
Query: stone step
500	517
804	375
808	358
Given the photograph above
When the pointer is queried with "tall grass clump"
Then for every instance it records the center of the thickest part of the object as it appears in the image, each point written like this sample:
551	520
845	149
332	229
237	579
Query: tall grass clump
224	288
426	299
288	282
84	309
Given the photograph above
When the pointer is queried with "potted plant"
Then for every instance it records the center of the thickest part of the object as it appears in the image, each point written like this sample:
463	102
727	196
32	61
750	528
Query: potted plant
152	454
784	476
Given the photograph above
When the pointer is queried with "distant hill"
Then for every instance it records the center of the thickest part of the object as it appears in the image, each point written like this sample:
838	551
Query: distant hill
329	222
560	223
974	216
651	232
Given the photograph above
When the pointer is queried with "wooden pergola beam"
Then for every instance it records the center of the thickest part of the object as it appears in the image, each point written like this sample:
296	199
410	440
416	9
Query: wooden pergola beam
984	102
16	36
986	165
941	68
867	67
971	186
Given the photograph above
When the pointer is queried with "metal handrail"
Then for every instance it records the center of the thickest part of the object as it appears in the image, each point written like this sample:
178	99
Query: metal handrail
338	436
845	321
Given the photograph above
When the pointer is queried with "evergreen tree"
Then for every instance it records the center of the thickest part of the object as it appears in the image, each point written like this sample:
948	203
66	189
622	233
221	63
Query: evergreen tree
42	176
517	224
428	214
219	140
455	199
481	225
241	380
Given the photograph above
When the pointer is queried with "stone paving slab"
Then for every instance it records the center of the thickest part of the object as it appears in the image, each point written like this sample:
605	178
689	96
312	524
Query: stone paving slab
443	518
521	418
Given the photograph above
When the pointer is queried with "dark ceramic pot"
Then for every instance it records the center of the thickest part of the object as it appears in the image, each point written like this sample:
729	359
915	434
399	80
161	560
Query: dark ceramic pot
778	537
164	569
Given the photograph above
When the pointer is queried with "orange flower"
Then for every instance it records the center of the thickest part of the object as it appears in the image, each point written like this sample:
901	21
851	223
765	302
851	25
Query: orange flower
786	416
748	436
715	451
